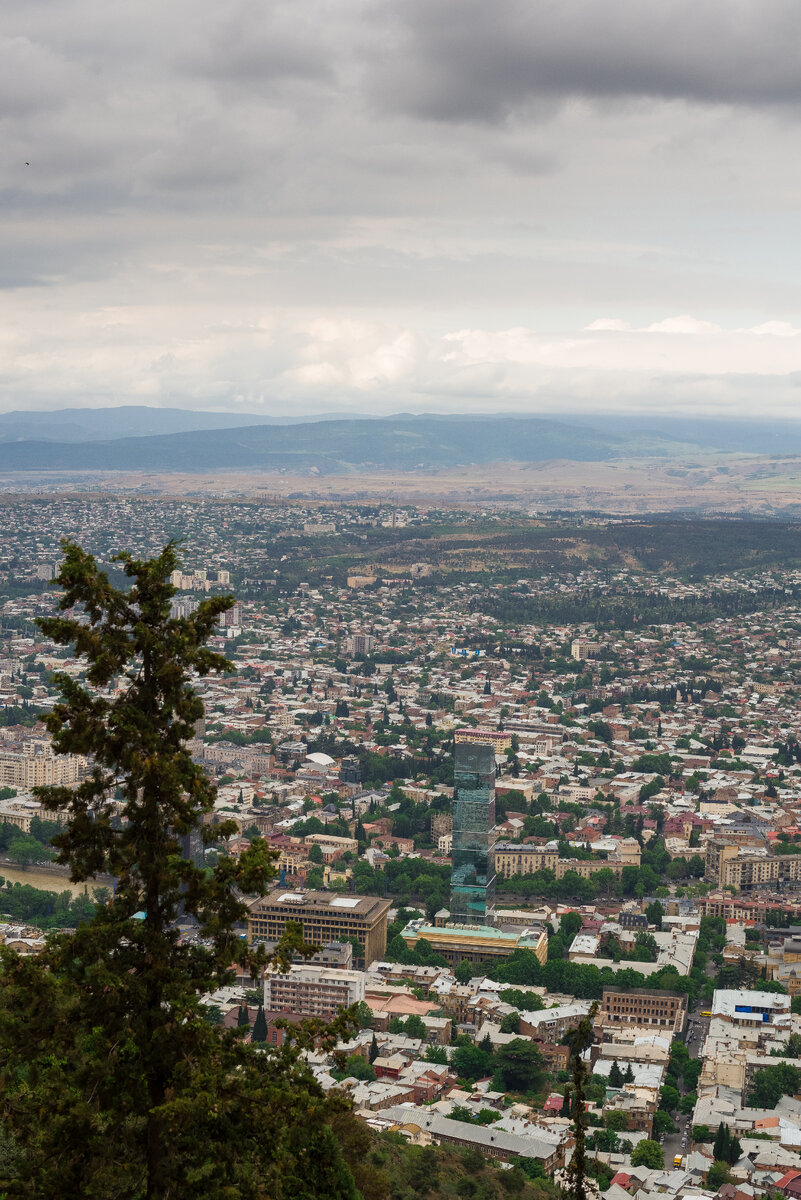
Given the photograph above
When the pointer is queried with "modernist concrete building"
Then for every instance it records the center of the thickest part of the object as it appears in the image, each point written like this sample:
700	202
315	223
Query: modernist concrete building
325	917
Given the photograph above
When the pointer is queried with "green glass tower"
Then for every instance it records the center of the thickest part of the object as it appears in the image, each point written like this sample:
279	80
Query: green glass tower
472	865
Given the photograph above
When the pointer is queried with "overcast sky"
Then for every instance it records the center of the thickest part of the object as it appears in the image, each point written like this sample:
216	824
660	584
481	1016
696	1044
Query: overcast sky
387	205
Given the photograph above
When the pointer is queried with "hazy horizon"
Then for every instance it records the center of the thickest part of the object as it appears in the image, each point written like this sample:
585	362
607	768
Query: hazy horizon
278	208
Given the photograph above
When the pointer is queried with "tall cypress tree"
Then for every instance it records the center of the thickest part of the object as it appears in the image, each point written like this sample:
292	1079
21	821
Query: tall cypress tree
580	1040
720	1148
104	1032
260	1026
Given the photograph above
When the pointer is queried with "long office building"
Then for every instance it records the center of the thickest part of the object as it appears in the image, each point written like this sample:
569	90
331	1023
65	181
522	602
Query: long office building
324	917
476	943
472	864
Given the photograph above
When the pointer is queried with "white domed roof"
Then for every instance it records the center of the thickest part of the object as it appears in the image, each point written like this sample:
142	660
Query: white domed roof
322	760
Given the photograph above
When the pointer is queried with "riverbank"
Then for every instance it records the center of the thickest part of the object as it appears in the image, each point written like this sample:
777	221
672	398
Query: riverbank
50	877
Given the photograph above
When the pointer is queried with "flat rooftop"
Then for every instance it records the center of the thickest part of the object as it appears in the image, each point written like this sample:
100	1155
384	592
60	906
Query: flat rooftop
332	903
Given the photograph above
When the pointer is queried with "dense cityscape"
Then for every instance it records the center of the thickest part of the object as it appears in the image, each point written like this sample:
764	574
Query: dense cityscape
492	820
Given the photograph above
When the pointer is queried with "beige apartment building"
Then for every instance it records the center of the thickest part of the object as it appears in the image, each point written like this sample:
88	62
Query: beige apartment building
730	867
313	991
324	917
335	843
36	765
21	812
512	859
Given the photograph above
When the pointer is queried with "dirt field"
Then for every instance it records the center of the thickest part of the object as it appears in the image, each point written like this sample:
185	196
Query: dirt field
713	484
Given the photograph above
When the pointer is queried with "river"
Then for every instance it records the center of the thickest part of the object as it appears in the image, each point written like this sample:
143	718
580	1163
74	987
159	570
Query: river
46	881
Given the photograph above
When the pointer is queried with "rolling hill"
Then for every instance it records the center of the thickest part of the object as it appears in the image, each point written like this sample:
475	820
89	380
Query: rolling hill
401	443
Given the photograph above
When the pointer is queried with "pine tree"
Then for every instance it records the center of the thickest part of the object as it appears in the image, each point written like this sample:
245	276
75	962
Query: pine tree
259	1026
616	1076
628	1076
104	1030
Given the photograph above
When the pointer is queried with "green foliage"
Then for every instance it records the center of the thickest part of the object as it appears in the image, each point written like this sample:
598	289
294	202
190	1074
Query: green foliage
24	849
605	1140
581	1038
363	1015
791	1048
412	1027
518	1066
463	972
359	1068
436	1054
570	925
259	1026
771	1083
663	1122
104	1031
616	1121
46	910
648	1153
615	1076
653	764
717	1175
523	1001
472	1062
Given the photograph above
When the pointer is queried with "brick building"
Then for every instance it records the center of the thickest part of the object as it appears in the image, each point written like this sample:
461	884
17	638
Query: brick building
644	1006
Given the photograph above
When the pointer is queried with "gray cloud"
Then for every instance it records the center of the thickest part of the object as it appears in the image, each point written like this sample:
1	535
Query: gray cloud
230	201
469	60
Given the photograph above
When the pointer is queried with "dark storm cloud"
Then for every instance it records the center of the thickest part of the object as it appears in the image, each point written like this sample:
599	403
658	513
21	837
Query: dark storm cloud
456	60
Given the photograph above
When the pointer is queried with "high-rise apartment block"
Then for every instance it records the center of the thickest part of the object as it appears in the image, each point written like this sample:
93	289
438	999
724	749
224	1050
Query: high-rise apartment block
233	617
37	765
361	643
472	866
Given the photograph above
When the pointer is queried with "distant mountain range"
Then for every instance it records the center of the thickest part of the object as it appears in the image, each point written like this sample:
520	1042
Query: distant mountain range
139	438
129	420
333	447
